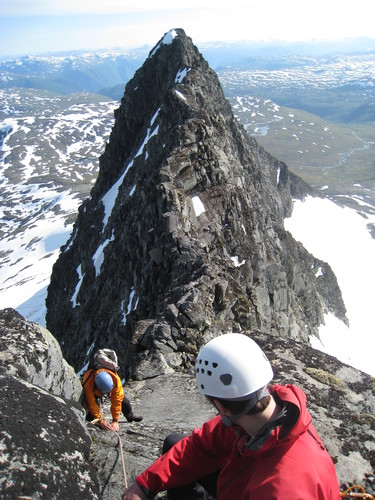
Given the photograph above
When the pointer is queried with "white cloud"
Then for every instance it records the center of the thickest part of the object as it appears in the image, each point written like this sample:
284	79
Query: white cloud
48	7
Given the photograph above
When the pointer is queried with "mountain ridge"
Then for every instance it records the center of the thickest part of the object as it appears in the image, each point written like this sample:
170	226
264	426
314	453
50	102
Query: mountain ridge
143	269
102	70
205	254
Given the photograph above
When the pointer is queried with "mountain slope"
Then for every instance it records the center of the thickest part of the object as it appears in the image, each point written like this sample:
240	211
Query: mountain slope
73	72
182	237
48	163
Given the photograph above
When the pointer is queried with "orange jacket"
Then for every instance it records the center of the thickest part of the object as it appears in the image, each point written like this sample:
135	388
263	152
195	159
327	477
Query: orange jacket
92	393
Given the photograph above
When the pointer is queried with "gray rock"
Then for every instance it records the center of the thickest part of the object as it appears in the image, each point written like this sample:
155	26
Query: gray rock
170	279
29	352
231	267
45	447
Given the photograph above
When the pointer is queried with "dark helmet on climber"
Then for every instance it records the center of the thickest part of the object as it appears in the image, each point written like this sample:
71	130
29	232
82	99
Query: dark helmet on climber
104	382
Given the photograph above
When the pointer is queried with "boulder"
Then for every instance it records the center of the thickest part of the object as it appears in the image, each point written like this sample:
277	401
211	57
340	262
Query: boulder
31	353
45	446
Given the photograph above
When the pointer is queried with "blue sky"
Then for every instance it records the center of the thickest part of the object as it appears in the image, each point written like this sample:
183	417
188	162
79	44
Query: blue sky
38	26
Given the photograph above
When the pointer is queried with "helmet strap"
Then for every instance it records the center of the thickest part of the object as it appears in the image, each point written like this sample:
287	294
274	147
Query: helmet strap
229	420
256	442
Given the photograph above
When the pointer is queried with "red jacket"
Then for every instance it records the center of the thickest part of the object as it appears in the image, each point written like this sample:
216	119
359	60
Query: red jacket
292	467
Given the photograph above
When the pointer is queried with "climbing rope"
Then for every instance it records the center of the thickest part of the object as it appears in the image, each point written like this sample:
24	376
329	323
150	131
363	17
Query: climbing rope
356	491
122	459
101	409
121	451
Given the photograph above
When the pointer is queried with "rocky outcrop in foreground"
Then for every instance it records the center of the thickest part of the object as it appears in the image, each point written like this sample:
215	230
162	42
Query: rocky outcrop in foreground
46	447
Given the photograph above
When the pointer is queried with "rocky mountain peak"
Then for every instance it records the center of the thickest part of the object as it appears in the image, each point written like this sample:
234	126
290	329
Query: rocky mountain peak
182	237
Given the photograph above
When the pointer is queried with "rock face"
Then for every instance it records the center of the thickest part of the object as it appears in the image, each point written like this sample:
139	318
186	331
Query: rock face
44	444
47	452
340	399
182	237
29	352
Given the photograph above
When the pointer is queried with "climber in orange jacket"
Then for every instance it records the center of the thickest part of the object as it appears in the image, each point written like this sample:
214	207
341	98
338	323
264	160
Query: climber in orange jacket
102	382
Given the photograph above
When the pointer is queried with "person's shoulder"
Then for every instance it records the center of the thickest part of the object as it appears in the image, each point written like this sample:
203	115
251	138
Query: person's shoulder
216	424
88	375
115	377
287	391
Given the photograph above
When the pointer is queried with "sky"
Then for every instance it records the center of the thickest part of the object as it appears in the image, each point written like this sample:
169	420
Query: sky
40	26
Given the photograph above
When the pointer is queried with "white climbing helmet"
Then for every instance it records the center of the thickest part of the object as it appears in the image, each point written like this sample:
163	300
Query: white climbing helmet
232	366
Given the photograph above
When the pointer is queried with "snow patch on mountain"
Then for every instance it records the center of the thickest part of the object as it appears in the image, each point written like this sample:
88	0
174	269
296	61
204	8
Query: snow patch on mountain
27	256
340	237
109	198
49	151
166	40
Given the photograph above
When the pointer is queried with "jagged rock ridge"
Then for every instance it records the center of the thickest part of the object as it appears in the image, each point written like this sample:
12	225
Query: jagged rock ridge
182	237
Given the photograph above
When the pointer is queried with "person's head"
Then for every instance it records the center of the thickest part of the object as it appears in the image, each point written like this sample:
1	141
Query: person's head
104	382
234	371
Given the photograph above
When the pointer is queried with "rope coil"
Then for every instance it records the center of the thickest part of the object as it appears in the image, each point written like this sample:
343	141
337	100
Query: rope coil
356	491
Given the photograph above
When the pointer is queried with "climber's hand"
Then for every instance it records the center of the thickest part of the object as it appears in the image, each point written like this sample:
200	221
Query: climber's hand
103	424
114	426
133	493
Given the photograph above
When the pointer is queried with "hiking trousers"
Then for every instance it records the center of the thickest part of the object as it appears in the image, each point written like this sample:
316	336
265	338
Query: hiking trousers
204	489
126	410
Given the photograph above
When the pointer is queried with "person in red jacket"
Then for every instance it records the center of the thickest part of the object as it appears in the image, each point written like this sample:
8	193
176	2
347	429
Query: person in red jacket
262	445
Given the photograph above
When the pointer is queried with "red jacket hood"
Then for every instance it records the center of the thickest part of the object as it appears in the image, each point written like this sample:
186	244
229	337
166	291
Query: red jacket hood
300	419
295	396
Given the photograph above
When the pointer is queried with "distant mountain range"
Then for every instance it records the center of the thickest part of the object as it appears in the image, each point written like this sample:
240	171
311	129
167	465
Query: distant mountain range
310	108
64	74
105	72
